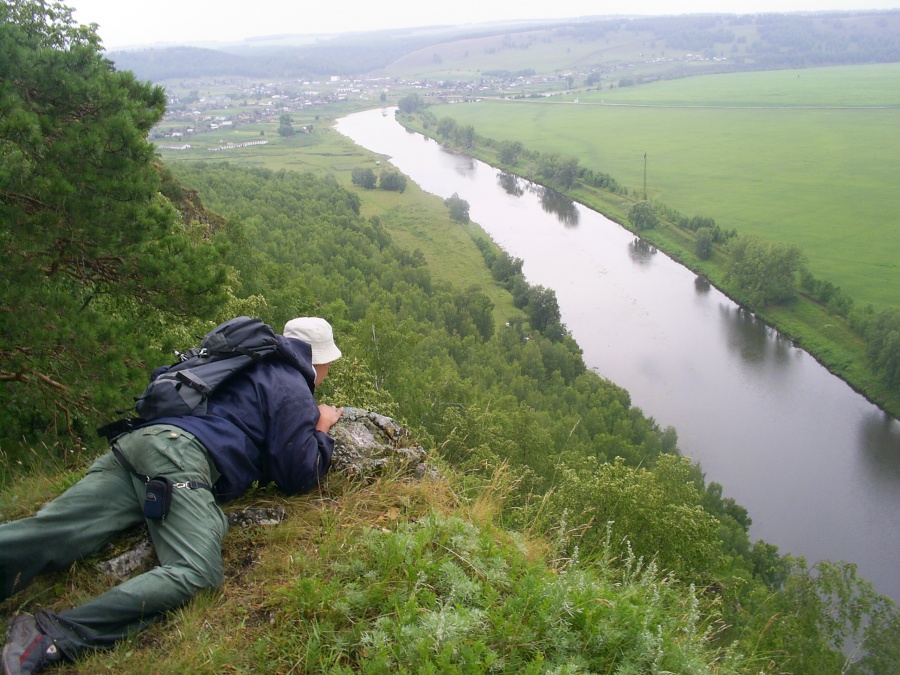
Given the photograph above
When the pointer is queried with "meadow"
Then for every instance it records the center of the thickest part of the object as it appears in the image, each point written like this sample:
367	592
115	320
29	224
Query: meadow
804	157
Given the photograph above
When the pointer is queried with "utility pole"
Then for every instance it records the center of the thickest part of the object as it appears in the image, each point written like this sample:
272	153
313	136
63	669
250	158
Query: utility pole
645	176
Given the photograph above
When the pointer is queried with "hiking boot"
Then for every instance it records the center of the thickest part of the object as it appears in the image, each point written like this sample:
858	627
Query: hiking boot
27	649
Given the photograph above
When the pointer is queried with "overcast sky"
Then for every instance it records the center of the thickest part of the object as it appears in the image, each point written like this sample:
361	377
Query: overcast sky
124	23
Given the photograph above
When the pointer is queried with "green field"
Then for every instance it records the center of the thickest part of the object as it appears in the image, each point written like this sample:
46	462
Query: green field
806	157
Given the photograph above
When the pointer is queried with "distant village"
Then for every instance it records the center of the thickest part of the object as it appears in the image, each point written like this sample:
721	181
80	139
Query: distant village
264	103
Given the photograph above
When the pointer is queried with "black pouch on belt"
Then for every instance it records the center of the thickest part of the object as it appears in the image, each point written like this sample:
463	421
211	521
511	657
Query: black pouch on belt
158	498
158	495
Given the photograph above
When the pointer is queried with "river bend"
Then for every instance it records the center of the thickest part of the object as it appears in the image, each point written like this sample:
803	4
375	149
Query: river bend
816	464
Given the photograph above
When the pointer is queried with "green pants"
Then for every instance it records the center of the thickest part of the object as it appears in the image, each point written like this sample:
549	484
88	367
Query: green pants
106	501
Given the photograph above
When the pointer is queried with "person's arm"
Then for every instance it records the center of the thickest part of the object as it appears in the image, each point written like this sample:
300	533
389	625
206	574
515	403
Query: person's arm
328	417
299	447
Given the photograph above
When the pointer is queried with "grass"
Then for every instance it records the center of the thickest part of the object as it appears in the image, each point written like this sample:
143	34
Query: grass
795	170
413	576
852	86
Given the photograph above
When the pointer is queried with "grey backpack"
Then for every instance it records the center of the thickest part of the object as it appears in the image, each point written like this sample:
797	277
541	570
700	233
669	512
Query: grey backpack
185	387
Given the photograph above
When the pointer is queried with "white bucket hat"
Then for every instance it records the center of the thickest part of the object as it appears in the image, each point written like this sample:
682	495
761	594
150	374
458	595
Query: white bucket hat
318	334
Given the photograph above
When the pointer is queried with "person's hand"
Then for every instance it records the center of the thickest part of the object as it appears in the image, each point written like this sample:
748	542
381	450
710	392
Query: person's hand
328	416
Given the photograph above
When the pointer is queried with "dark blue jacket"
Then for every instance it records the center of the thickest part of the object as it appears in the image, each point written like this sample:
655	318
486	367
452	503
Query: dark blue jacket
261	425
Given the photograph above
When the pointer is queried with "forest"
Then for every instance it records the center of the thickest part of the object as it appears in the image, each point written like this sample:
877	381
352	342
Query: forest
113	259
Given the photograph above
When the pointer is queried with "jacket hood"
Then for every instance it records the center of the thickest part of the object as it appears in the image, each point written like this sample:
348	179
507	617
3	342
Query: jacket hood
298	354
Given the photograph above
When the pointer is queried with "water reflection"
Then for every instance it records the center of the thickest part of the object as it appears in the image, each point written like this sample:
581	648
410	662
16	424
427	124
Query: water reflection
462	164
755	342
880	438
510	184
641	252
702	285
560	205
564	208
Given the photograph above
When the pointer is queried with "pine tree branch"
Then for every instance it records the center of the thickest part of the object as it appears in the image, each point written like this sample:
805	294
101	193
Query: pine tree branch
29	377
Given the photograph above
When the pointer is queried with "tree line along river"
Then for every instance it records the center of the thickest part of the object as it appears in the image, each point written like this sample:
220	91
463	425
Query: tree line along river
816	465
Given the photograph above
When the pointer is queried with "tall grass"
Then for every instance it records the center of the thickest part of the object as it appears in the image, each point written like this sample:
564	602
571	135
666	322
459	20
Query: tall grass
399	576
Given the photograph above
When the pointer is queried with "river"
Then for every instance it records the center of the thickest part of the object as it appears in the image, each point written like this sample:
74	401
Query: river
816	464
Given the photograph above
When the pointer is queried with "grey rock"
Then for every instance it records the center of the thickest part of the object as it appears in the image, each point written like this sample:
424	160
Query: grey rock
366	443
141	557
137	559
251	517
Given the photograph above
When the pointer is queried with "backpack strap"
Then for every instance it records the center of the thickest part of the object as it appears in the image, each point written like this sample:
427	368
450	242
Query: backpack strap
189	485
127	465
115	429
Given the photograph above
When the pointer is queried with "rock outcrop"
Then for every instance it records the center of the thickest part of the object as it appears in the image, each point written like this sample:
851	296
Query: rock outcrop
366	443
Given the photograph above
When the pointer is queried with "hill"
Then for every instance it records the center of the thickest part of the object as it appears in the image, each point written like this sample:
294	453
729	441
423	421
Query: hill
649	48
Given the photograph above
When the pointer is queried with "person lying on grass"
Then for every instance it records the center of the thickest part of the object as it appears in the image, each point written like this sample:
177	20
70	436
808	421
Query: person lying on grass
263	425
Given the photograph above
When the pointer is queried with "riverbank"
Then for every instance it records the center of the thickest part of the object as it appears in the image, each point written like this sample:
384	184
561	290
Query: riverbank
826	337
